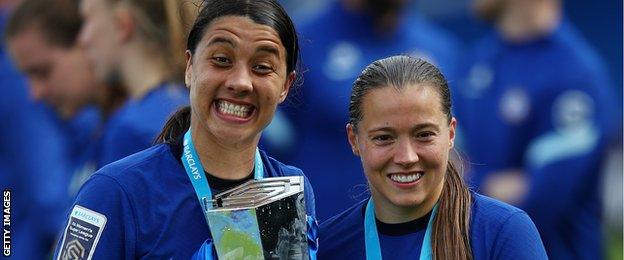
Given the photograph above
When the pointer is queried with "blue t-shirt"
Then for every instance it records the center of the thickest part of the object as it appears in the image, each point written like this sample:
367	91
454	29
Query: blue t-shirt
497	231
83	137
335	47
144	206
136	124
544	107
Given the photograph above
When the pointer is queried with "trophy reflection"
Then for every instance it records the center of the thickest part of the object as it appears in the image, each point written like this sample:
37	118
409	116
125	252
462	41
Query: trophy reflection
260	219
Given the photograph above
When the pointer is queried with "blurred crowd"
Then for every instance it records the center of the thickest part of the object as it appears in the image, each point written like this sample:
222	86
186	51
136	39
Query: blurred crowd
537	89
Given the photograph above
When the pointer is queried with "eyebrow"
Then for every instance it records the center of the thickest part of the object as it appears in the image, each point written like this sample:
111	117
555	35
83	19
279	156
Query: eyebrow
269	49
221	40
415	128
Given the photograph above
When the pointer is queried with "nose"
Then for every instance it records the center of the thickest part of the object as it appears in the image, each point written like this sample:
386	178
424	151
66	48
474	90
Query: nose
239	81
405	153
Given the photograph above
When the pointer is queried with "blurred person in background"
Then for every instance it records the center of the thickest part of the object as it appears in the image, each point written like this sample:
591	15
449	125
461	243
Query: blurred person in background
42	37
336	44
31	163
138	45
536	112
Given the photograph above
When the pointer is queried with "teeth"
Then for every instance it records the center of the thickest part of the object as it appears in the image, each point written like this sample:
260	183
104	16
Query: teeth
405	178
233	109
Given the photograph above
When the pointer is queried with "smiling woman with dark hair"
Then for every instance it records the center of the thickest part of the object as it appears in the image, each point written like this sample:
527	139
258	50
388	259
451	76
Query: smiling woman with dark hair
401	127
240	64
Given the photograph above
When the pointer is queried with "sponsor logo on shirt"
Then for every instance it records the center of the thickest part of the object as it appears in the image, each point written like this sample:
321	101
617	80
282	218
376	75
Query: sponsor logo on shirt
82	234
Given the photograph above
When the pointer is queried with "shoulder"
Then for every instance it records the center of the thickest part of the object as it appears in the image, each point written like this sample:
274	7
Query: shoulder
167	95
140	167
491	209
342	236
574	46
104	216
501	231
347	221
146	115
123	185
277	169
123	121
489	214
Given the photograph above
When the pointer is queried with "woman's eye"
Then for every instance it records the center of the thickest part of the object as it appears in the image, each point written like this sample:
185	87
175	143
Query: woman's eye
221	61
262	69
382	139
425	135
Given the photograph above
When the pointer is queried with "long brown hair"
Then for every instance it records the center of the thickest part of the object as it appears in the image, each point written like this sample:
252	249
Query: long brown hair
164	24
450	236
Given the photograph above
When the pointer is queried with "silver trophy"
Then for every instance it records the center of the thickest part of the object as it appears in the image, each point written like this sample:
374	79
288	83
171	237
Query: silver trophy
260	219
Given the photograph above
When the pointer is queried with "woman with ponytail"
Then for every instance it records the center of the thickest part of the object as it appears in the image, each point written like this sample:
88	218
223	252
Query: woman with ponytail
241	60
401	127
138	45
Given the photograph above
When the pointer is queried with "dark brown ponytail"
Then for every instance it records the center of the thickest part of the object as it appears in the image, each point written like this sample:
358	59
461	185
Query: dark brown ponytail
176	126
451	227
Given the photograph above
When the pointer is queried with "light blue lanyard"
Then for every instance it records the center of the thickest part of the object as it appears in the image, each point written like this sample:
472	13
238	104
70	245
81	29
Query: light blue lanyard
195	172
371	237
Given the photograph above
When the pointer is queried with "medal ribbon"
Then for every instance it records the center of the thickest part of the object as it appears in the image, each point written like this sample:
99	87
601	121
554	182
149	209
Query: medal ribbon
371	237
195	172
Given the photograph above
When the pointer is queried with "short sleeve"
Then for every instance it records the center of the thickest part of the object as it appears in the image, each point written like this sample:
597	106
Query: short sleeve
101	223
518	238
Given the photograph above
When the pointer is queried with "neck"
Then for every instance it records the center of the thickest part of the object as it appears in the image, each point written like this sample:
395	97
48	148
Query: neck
389	213
226	161
142	72
524	21
109	98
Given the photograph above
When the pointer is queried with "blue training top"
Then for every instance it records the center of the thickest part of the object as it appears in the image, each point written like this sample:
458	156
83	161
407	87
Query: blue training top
82	135
136	124
144	206
497	231
335	47
544	107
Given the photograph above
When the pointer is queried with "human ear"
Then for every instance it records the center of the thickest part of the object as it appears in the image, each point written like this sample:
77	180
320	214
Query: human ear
289	81
352	136
452	127
125	23
188	73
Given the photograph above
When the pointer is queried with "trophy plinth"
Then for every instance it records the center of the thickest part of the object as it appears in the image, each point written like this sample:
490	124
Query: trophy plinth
260	219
